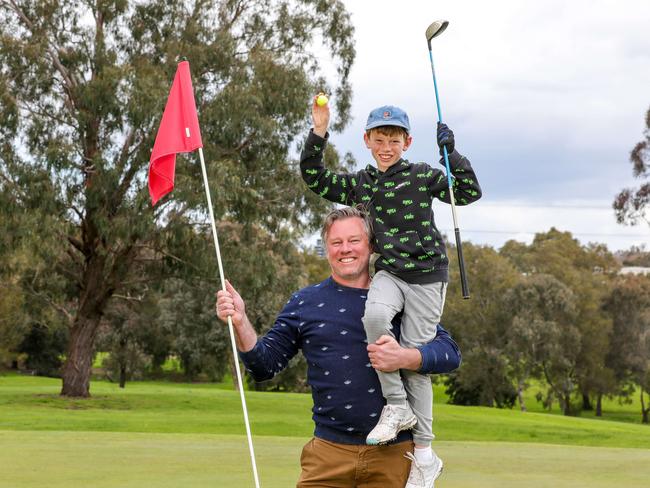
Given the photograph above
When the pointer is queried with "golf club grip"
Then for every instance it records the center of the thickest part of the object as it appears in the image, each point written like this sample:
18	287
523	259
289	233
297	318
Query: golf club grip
461	265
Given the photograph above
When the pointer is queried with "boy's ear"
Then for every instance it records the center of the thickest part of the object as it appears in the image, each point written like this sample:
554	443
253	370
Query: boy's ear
407	143
366	139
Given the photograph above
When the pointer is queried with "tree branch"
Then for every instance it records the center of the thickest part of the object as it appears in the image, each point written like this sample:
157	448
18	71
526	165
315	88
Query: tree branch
52	50
59	308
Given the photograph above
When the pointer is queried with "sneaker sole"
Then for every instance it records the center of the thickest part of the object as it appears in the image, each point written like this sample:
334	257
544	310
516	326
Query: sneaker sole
379	442
439	472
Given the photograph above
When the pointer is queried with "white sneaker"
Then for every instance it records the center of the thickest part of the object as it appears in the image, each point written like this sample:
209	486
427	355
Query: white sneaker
423	475
392	421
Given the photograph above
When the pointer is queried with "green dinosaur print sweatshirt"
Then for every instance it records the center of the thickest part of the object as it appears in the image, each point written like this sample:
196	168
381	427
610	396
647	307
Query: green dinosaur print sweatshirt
399	202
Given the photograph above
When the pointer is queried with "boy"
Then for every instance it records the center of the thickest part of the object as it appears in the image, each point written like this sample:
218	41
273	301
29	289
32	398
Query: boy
412	269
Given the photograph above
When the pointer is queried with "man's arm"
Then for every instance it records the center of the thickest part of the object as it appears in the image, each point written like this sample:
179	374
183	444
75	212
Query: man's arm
441	355
270	354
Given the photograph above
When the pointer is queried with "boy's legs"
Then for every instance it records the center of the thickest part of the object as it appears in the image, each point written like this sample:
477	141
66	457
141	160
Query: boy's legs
423	308
422	312
385	300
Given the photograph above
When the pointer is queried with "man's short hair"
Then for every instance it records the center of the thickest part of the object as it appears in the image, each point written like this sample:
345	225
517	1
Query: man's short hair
358	211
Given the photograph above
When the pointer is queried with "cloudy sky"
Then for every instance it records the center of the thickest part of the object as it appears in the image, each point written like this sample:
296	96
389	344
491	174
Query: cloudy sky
546	98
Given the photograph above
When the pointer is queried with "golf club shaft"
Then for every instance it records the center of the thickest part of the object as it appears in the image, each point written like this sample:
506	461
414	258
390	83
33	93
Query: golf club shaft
452	200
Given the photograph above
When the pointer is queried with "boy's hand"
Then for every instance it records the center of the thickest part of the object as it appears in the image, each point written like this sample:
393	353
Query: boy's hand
321	117
445	138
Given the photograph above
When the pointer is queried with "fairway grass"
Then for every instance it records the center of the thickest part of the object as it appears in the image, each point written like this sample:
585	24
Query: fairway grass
34	404
53	459
181	435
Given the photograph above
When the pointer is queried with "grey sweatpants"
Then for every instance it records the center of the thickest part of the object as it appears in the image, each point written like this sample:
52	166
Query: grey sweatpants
422	307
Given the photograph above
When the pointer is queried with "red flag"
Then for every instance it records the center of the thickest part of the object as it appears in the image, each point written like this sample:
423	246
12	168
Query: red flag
178	132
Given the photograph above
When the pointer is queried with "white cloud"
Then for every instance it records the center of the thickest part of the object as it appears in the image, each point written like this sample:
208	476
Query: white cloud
546	97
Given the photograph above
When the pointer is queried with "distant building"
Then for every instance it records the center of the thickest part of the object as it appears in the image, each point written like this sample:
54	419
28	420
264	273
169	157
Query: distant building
320	250
644	270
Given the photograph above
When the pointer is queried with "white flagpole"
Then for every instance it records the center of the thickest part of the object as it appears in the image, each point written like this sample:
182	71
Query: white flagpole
230	329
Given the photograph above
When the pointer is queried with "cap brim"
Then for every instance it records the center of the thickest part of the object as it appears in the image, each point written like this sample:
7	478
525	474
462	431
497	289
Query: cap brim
382	123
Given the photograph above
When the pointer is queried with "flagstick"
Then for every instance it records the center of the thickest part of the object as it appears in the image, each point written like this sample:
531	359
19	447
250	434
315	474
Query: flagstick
230	329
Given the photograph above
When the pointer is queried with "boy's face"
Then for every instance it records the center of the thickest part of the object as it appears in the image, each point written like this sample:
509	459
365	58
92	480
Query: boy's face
387	147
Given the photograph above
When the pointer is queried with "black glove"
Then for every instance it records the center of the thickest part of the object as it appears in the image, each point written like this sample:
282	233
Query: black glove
445	138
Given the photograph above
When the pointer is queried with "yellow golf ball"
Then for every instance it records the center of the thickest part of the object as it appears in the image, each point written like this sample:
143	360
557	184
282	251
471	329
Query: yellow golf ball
321	100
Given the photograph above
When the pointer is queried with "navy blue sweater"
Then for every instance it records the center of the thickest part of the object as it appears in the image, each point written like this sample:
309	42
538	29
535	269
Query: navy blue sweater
324	320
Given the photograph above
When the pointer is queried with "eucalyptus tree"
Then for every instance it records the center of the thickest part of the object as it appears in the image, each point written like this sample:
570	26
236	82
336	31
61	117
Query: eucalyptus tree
587	271
629	356
632	206
543	340
82	88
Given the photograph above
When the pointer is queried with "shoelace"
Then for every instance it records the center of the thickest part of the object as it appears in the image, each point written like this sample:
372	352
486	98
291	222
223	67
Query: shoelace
417	476
392	417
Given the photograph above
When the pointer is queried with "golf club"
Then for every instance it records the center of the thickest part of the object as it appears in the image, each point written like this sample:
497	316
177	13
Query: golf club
434	30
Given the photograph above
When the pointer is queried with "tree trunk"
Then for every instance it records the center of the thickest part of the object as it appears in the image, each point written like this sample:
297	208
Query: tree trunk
122	356
599	405
78	364
644	411
566	404
586	402
122	375
520	396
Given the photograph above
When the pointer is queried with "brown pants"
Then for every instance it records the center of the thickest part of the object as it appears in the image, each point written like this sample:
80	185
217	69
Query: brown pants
330	465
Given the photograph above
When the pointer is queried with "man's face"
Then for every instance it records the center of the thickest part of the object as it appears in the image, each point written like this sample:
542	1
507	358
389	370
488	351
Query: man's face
348	251
386	150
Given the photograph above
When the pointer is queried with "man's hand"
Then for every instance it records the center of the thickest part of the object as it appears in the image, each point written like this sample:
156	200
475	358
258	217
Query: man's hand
387	355
230	304
321	117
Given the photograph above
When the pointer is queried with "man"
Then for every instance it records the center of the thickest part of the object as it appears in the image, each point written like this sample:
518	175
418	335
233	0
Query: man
324	320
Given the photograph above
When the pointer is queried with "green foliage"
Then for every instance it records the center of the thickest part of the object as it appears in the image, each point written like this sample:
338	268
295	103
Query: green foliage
483	380
587	272
187	316
632	205
480	326
316	267
82	87
543	340
43	350
629	357
535	314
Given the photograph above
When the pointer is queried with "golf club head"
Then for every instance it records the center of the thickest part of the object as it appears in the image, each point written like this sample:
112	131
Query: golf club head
435	29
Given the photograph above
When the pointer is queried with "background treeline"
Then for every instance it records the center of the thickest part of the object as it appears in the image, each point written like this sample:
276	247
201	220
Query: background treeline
87	266
555	314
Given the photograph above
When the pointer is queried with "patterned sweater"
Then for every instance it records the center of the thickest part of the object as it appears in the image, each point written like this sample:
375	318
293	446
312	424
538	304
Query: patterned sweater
400	205
324	321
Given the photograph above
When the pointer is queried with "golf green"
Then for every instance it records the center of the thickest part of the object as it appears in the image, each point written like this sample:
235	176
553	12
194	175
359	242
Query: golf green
55	459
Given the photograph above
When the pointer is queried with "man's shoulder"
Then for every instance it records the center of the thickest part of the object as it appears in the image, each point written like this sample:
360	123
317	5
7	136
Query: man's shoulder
313	289
328	287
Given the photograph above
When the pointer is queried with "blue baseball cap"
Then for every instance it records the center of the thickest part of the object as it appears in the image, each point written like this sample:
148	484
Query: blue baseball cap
388	115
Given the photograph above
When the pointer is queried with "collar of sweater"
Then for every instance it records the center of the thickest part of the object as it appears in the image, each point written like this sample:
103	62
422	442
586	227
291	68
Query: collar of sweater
400	165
